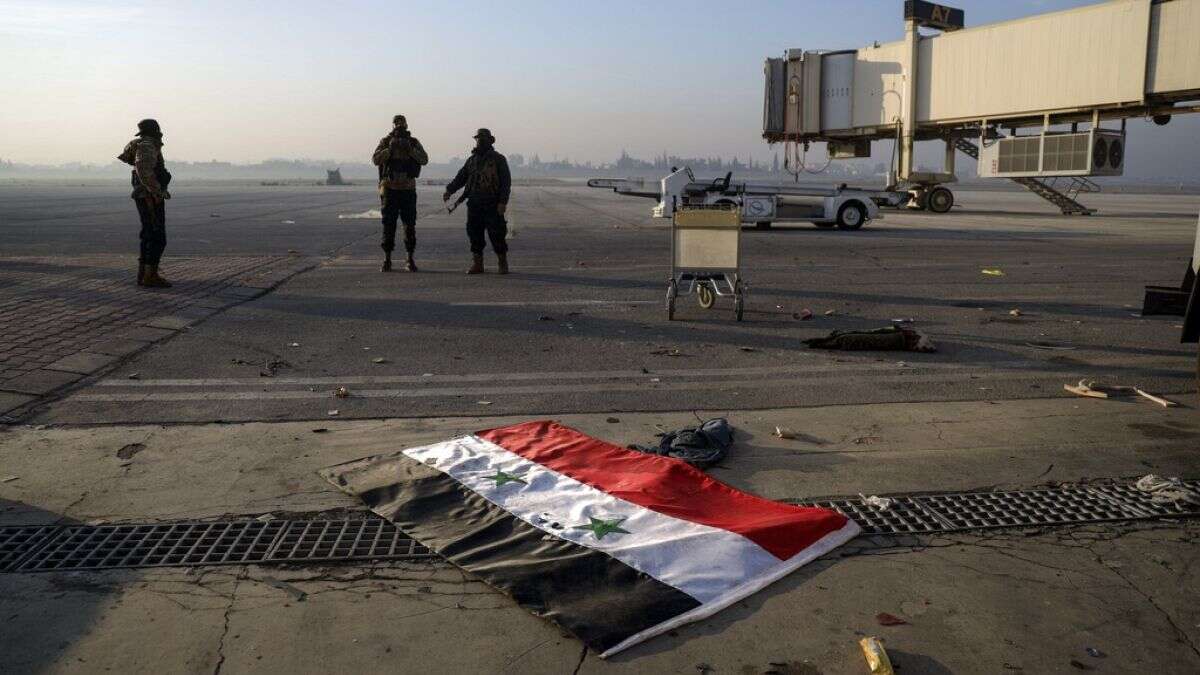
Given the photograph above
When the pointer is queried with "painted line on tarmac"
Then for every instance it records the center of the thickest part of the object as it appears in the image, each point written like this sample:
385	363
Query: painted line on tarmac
645	385
711	373
552	303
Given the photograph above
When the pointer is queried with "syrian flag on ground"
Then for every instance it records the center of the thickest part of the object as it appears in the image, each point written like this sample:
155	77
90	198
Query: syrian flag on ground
613	545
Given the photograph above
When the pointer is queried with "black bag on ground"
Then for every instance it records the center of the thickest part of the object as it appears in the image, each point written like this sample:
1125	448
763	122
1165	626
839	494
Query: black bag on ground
700	446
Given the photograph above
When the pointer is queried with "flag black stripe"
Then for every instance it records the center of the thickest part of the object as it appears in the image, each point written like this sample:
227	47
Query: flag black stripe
597	598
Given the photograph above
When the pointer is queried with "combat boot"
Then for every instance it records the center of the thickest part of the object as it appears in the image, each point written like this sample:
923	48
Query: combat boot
387	264
141	273
476	264
502	263
151	279
409	264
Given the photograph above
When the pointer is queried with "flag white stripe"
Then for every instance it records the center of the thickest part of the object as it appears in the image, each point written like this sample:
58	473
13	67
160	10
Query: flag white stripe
703	561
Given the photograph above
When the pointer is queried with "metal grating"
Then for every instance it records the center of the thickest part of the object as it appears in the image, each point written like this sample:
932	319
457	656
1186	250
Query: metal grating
324	541
18	542
978	510
157	545
955	512
905	515
192	544
98	547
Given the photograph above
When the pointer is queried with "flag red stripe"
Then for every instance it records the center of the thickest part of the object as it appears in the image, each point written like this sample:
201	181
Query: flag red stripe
668	486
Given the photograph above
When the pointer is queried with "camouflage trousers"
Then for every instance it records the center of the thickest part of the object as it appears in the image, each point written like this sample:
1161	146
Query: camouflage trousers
399	205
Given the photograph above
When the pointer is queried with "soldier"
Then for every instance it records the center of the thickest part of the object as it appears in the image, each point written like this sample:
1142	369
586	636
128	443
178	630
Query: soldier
399	157
150	179
488	184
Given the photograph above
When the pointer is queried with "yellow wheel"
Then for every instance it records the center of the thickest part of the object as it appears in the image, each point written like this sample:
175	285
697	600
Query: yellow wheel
705	296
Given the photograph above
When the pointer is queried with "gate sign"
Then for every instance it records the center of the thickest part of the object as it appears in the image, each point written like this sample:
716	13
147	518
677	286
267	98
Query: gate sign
934	16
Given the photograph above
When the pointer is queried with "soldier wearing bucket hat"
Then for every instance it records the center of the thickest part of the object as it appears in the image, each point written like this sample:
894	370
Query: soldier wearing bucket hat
150	179
487	184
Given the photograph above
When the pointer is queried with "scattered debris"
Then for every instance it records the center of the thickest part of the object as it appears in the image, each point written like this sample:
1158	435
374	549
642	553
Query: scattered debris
320	430
700	446
656	379
373	214
484	402
9	479
294	344
612	420
213	215
129	450
1015	312
297	594
892	338
806	314
785	432
333	413
1095	653
378	359
885	619
1094	389
265	517
1049	346
1165	490
133	376
668	352
1081	665
866	440
993	273
272	366
545	317
748	349
287	222
876	655
341	392
876	502
830	312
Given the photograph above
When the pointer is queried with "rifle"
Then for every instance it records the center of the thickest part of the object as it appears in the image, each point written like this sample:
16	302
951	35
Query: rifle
462	198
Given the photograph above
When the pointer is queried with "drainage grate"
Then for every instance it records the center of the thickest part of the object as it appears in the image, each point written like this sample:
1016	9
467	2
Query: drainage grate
159	545
905	515
215	543
1068	505
17	542
328	540
98	547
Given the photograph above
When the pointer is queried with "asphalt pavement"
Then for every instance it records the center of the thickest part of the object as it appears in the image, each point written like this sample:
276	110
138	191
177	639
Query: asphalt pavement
580	325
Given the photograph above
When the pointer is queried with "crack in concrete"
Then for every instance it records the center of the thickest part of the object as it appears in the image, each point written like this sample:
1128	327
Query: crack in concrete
225	629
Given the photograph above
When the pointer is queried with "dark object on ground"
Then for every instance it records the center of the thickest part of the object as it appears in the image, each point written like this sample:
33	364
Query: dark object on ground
892	338
700	446
886	619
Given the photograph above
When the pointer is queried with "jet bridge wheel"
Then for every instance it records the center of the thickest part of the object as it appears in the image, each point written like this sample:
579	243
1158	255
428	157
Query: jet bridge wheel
705	296
939	200
672	293
851	216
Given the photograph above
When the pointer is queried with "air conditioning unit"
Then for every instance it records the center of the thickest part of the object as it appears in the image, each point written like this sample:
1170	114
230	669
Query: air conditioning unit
1097	152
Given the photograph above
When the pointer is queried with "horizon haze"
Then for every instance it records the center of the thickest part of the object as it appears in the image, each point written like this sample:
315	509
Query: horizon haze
246	83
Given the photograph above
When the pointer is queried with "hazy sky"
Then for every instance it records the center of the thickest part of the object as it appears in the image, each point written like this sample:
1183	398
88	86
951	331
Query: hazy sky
245	81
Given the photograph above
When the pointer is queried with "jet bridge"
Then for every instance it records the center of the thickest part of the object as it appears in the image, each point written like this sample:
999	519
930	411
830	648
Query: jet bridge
1011	87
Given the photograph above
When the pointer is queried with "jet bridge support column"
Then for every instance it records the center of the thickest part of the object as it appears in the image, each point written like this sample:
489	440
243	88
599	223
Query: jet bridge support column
908	111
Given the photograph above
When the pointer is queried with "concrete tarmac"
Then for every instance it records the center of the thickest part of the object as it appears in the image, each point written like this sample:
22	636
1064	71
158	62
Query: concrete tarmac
580	325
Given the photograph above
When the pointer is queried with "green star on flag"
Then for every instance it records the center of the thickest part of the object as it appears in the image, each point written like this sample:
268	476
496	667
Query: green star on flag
600	527
503	478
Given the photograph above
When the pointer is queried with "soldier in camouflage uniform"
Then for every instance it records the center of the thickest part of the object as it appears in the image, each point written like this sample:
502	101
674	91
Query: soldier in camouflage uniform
399	157
150	179
488	184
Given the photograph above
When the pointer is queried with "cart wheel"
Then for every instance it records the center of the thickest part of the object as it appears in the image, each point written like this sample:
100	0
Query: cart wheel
705	296
672	292
739	300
